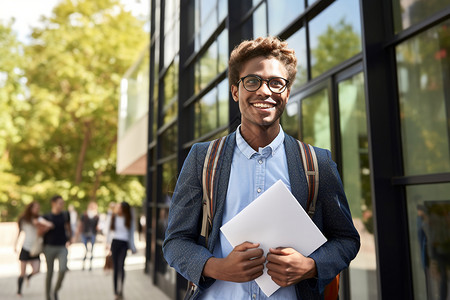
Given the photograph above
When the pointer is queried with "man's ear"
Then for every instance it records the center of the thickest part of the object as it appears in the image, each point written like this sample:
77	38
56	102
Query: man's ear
235	92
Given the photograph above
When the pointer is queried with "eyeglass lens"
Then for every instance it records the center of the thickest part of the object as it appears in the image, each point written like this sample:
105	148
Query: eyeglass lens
253	83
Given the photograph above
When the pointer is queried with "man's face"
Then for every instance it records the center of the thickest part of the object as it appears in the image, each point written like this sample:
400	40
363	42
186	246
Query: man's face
261	107
59	204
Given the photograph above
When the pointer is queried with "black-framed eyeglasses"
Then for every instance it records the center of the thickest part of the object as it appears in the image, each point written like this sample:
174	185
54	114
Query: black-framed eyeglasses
253	82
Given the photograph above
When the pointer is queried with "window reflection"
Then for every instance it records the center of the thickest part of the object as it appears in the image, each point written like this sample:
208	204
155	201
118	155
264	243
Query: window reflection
259	20
134	94
169	179
208	112
170	107
410	12
223	94
169	141
208	66
208	15
423	82
356	178
429	221
281	13
298	42
316	120
222	48
290	119
335	35
155	95
211	111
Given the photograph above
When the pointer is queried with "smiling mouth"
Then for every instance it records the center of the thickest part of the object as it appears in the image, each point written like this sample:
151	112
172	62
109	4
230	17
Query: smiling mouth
263	105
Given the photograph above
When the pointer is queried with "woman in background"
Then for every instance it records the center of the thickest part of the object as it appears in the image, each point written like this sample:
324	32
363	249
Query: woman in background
122	236
33	225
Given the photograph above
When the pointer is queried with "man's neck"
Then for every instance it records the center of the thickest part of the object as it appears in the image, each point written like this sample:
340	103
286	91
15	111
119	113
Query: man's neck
259	136
56	211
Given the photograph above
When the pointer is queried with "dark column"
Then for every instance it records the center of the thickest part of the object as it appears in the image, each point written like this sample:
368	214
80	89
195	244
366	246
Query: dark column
390	215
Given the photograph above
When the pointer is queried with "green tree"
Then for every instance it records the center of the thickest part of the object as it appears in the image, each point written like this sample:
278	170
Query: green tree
11	100
75	62
337	44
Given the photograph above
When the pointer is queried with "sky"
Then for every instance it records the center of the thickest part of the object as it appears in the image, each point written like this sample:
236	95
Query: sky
28	12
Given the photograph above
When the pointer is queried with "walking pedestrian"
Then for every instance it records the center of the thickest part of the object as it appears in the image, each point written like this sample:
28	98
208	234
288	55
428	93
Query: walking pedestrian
88	228
56	241
33	226
121	235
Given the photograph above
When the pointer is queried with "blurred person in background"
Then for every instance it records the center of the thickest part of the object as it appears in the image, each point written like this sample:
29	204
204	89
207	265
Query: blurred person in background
56	241
32	225
73	215
120	239
88	228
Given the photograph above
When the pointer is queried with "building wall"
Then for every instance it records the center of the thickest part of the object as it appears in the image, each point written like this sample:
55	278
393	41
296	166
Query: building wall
372	86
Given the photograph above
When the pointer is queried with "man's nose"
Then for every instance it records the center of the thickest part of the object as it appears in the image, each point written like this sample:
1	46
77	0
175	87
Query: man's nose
264	89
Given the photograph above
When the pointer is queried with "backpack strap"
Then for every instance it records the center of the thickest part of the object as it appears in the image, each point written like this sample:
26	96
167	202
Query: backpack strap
208	175
311	167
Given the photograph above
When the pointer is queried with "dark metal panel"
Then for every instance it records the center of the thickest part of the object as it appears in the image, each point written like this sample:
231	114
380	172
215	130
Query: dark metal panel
422	179
237	32
390	216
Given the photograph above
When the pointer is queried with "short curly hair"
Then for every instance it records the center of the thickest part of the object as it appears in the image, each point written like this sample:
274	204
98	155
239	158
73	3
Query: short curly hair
270	47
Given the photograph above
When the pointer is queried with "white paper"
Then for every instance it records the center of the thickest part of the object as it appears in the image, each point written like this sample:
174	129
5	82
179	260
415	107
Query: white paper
274	219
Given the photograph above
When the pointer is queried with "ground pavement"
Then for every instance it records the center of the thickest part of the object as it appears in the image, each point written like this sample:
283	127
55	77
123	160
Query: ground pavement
79	284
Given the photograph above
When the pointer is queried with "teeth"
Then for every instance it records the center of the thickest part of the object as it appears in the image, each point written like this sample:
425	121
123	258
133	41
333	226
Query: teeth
262	105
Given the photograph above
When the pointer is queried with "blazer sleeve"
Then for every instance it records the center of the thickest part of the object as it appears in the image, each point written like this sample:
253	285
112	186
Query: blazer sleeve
180	248
334	219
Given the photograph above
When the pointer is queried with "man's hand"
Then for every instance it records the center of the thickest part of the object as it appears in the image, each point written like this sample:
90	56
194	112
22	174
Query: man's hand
244	263
286	266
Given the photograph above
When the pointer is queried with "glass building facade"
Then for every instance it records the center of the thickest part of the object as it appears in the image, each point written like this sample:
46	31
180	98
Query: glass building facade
373	86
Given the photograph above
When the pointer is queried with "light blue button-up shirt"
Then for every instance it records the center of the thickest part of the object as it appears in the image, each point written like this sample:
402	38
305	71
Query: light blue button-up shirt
252	172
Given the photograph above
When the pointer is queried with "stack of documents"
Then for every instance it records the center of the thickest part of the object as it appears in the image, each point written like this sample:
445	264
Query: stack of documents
274	219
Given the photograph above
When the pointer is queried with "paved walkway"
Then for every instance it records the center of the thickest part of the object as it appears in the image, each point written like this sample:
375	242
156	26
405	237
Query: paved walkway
79	284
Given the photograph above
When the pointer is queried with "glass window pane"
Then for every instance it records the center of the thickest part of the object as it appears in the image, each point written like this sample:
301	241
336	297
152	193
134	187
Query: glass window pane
197	123
223	9
157	16
209	112
259	21
429	235
222	42
208	27
169	179
169	142
290	119
408	13
298	42
335	35
223	93
282	13
316	120
423	83
208	66
206	7
356	178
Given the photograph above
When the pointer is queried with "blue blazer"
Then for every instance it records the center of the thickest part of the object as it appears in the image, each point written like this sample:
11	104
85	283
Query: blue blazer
184	249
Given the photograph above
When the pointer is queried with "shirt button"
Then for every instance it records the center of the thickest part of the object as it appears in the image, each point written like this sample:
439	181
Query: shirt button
260	161
259	190
254	296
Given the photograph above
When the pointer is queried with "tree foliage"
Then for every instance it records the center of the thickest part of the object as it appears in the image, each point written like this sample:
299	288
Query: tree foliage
74	64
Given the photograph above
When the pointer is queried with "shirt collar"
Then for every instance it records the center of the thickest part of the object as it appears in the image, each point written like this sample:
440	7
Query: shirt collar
248	151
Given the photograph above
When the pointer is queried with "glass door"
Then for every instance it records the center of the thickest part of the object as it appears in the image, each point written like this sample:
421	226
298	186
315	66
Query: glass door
355	172
333	116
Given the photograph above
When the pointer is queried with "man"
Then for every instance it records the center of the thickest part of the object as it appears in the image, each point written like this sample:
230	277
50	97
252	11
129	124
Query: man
254	157
56	242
